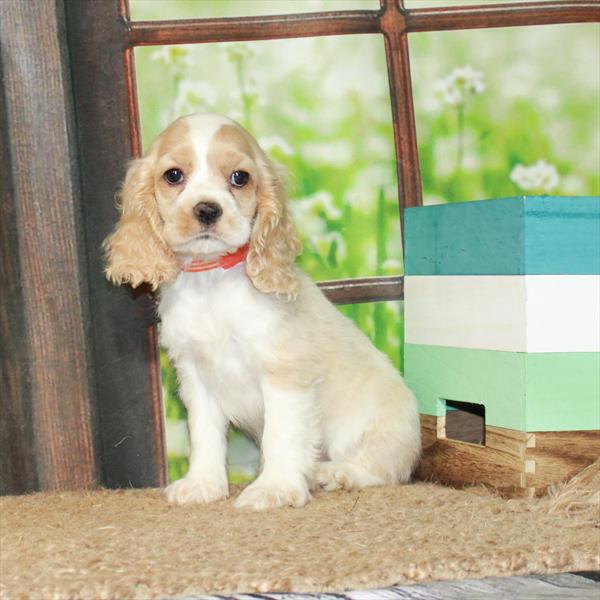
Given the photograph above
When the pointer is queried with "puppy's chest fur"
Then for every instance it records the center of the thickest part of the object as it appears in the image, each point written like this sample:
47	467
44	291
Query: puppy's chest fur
218	322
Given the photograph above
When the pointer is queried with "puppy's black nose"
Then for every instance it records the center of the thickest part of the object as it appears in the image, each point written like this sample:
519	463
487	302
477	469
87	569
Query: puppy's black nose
207	212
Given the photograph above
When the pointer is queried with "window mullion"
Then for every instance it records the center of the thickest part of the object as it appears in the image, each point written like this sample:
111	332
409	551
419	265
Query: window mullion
393	26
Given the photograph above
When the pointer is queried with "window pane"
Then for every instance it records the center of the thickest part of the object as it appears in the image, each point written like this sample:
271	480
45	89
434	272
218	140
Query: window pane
442	3
148	10
242	454
320	107
505	112
383	322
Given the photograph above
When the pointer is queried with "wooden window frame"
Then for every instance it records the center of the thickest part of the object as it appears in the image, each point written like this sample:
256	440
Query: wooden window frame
394	22
81	398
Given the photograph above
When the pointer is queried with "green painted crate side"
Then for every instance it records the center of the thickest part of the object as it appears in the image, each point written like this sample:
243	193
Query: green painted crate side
527	392
563	391
494	379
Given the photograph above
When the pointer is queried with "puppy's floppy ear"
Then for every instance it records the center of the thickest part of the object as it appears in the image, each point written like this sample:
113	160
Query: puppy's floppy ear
274	245
136	252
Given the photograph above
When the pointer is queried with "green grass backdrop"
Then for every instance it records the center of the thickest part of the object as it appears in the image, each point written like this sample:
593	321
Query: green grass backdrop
486	101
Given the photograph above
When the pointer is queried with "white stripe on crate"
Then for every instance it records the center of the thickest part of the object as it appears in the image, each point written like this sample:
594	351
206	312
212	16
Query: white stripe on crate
518	313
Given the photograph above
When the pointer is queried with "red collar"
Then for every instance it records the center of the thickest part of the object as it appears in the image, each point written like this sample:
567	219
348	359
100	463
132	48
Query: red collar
224	262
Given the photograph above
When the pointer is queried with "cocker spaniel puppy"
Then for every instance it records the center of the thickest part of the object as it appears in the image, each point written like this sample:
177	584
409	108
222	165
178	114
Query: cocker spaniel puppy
254	341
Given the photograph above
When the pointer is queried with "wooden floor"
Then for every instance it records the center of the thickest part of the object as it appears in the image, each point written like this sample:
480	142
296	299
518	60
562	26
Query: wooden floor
574	586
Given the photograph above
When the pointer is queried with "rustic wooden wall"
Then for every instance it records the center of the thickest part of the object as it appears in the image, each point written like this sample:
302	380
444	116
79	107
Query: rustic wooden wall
80	380
122	332
80	396
47	432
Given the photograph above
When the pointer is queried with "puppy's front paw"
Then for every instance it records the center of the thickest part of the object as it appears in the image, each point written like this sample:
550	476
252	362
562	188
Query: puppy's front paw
264	494
196	489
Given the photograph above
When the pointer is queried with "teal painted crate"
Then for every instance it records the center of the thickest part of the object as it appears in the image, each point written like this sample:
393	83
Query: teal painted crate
518	237
527	235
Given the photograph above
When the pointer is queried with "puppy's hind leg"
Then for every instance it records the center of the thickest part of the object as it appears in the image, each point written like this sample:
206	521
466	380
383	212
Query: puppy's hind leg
332	475
382	456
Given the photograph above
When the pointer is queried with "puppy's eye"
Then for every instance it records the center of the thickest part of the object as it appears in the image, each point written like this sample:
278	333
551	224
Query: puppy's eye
173	176
239	178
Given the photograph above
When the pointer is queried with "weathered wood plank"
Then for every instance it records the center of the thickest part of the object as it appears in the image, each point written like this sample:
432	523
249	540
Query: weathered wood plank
526	235
509	441
366	289
516	463
460	463
48	437
393	26
533	587
123	339
17	460
546	391
505	312
194	31
432	427
559	455
484	15
495	379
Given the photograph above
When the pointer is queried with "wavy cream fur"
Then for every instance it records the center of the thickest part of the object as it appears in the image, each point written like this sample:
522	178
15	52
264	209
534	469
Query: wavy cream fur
136	252
257	345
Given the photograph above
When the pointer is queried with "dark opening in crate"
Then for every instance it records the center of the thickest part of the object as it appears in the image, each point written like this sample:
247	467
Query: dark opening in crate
465	421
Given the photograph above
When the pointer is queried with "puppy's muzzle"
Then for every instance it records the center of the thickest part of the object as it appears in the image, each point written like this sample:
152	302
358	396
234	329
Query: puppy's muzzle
207	212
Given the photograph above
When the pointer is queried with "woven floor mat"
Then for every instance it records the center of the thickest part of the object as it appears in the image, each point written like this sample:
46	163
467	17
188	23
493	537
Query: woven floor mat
132	544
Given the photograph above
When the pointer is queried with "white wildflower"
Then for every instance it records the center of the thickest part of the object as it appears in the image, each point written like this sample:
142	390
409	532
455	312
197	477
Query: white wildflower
252	85
540	177
308	225
518	79
324	242
318	204
242	455
573	185
342	82
433	200
445	151
275	144
238	51
367	185
163	55
178	441
194	95
236	114
391	266
379	147
311	214
301	115
178	56
462	83
431	104
336	153
549	98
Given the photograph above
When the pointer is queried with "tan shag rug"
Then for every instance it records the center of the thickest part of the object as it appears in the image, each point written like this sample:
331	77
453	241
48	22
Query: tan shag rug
132	544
